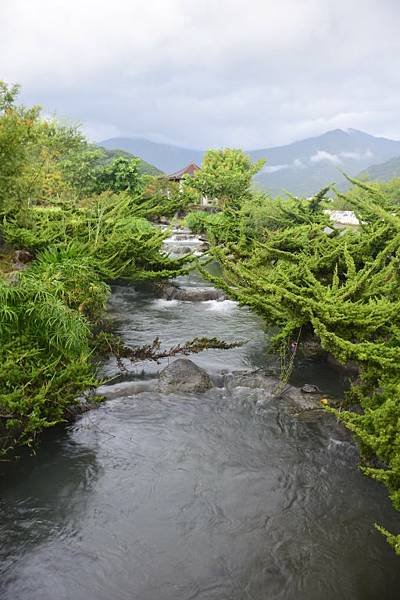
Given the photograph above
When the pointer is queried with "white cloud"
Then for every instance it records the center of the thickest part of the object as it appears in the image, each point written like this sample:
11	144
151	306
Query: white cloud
274	168
356	155
298	164
322	156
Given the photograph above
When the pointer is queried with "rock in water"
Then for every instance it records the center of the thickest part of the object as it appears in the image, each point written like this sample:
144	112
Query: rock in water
310	388
251	379
191	294
183	375
299	399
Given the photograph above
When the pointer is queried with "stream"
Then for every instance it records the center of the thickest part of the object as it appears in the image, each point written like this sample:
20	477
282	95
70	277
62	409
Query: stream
157	496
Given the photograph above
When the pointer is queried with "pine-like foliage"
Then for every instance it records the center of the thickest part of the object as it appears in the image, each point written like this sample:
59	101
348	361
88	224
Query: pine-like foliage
343	287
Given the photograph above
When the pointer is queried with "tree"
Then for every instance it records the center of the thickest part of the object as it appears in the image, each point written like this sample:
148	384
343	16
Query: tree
18	128
7	95
121	175
225	176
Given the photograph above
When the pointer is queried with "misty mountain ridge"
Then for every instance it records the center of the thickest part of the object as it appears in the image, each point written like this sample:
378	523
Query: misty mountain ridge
383	171
166	157
301	168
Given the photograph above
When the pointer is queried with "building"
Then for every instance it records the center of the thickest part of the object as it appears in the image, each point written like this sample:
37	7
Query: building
190	170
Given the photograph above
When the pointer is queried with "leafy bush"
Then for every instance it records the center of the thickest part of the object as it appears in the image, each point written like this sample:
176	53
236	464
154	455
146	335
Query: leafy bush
197	221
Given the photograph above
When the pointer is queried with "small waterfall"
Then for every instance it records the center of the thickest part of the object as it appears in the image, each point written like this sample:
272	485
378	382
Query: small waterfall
182	241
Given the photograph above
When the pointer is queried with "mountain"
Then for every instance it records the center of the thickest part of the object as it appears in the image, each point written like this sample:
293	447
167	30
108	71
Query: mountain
304	167
383	171
166	157
301	168
145	168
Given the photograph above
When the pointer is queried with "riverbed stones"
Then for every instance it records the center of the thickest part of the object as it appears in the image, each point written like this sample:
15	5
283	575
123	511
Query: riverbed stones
270	388
183	375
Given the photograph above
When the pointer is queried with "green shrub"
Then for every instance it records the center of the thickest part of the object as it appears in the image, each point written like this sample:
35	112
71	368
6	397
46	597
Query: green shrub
197	221
342	287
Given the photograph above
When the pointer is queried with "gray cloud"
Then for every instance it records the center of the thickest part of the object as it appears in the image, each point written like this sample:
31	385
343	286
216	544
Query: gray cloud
208	73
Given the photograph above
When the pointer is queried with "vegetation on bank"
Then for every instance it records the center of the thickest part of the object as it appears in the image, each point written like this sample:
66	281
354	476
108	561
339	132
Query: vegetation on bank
72	220
339	287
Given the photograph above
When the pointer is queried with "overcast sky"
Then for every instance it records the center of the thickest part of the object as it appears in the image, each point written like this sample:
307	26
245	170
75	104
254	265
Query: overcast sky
202	73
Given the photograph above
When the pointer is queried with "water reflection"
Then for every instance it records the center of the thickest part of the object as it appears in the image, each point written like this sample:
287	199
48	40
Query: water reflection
40	496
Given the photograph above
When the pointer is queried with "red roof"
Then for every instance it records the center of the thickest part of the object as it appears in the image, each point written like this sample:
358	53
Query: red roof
190	169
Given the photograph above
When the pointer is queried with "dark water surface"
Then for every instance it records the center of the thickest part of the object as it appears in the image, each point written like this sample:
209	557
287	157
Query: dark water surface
156	497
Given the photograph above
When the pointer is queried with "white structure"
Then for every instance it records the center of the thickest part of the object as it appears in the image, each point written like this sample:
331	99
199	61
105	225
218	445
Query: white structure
343	218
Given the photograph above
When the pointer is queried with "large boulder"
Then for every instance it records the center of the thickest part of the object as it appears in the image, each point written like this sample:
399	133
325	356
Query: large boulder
183	375
191	294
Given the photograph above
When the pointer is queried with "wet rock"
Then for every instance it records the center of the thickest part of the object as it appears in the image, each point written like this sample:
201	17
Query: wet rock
183	375
262	389
301	400
310	388
251	379
191	294
252	398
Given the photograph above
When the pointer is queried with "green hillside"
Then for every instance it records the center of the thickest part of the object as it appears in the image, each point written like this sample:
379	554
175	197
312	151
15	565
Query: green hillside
145	168
383	171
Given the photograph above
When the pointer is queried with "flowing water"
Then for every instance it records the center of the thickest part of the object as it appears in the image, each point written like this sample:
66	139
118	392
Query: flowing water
181	497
